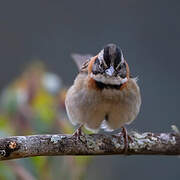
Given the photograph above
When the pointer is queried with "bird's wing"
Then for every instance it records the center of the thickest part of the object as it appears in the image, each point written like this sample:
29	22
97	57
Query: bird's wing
81	61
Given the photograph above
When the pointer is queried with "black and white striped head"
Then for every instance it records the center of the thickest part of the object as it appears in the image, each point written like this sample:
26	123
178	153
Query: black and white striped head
110	66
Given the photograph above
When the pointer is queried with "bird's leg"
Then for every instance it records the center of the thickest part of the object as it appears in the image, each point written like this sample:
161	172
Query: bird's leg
126	139
125	135
78	131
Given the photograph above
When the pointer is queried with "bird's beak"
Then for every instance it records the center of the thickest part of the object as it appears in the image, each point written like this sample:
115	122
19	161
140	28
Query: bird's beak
110	71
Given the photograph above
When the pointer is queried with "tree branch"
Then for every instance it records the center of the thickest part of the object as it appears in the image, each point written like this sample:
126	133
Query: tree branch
94	144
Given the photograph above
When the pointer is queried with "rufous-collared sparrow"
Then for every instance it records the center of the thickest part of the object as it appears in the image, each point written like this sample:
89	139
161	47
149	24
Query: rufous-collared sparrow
103	94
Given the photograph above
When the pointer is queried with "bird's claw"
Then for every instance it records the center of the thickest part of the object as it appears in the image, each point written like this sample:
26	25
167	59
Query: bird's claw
127	138
78	132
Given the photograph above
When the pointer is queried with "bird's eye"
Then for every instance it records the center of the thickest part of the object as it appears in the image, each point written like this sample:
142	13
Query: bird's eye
97	61
97	67
121	68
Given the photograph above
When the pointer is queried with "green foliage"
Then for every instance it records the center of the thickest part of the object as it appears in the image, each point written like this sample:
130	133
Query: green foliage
34	104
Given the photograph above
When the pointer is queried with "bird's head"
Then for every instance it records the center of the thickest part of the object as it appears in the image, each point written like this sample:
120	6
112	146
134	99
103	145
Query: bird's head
109	66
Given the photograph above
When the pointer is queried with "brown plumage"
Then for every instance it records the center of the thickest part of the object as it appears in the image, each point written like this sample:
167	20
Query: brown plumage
103	93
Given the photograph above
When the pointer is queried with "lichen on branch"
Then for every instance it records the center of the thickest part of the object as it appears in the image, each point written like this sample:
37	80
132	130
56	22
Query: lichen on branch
95	144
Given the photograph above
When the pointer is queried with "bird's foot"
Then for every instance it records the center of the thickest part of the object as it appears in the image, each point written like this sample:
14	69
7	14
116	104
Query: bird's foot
127	138
78	133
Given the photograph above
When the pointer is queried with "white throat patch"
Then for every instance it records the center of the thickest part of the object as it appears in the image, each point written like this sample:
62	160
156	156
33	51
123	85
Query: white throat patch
108	80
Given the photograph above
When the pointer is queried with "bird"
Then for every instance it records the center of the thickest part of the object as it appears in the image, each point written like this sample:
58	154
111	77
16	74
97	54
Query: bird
104	94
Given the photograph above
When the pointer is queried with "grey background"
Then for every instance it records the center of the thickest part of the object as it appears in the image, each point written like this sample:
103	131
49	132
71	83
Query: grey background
148	33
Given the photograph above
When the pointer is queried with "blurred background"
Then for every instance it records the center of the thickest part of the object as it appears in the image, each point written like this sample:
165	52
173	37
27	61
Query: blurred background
36	41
